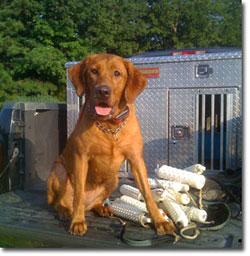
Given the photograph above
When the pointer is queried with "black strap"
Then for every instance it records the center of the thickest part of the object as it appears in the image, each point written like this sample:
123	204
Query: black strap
147	242
221	214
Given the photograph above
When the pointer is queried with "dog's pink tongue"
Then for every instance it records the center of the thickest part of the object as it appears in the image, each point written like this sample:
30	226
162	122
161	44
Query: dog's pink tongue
102	111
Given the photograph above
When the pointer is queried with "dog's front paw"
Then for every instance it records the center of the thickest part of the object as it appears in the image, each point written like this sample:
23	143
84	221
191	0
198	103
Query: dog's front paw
78	228
165	227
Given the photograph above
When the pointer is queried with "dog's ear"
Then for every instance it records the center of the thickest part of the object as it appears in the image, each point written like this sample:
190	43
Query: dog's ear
136	82
76	75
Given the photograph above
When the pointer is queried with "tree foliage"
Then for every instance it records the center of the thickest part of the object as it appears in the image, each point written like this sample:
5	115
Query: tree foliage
37	37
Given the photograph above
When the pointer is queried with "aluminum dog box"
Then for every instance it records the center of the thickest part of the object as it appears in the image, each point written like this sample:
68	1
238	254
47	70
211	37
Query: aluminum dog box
190	112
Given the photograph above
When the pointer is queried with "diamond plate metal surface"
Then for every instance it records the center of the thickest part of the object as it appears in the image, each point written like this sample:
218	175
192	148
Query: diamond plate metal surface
182	113
182	74
72	107
151	110
237	131
187	58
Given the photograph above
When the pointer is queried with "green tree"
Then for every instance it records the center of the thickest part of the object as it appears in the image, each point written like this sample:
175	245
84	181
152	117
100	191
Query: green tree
114	26
37	37
34	47
194	23
6	84
230	25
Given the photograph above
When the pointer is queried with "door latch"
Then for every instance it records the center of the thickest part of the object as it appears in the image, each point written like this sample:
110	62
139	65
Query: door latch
203	71
179	132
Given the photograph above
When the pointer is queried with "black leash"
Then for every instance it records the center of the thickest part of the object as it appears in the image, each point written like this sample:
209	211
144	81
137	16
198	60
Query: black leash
147	242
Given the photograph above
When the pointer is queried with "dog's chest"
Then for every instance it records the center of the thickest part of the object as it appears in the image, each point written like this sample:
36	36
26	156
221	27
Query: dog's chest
106	151
106	163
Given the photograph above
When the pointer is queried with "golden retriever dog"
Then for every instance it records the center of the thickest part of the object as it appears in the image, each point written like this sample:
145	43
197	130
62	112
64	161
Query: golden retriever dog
107	133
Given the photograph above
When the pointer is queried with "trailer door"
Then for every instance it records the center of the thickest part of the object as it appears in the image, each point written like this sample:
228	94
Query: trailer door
202	127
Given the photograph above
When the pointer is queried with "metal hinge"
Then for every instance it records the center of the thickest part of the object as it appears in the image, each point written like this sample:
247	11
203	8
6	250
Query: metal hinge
18	129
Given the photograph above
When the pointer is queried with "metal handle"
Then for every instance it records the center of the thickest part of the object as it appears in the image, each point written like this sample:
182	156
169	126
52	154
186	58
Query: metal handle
203	71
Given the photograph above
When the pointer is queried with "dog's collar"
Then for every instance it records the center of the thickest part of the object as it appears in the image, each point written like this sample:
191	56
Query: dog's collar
122	116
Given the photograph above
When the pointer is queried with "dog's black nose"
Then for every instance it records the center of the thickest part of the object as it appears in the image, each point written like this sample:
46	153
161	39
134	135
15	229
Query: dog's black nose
102	92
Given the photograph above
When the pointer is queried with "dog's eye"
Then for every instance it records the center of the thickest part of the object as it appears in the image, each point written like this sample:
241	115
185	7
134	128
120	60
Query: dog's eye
117	73
94	71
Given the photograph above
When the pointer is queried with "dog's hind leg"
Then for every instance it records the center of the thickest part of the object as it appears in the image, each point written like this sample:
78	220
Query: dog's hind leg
97	206
102	210
60	191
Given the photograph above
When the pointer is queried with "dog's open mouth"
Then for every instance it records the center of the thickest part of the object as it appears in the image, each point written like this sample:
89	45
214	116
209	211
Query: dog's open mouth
102	109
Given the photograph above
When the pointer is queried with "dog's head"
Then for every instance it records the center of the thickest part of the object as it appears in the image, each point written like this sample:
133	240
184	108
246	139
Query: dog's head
109	83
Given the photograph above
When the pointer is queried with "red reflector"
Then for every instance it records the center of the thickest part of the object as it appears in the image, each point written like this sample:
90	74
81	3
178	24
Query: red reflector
188	52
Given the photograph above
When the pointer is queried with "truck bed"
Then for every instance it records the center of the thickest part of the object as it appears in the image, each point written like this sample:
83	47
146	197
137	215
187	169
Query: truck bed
26	221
